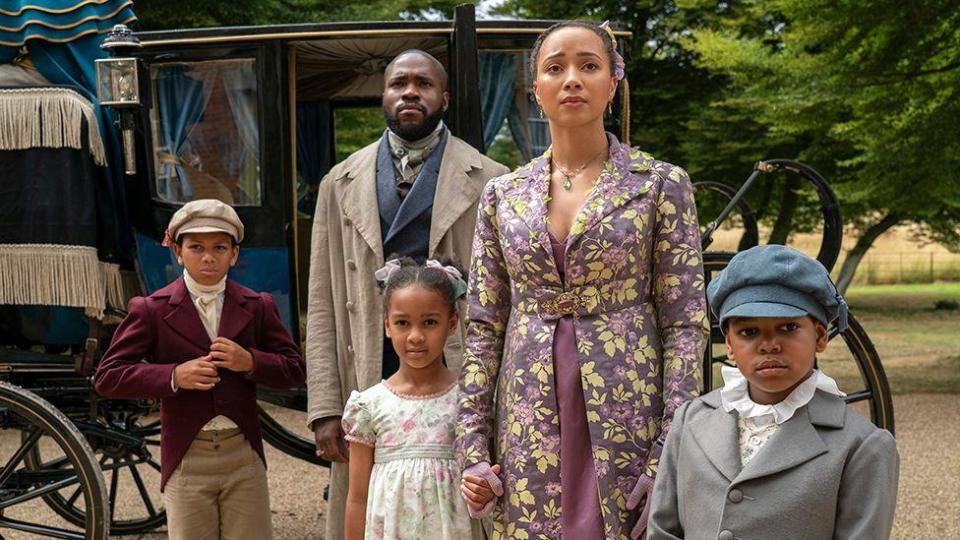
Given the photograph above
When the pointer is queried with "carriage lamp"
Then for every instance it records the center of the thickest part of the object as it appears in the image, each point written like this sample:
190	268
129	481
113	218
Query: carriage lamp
118	86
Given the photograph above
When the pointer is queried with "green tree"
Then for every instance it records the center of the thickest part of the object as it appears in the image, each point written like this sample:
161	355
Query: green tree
868	89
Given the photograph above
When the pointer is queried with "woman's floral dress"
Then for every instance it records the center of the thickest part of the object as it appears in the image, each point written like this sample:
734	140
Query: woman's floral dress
633	287
414	490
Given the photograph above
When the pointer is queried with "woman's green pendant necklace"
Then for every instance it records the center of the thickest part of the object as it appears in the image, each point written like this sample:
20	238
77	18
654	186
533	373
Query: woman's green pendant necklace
568	175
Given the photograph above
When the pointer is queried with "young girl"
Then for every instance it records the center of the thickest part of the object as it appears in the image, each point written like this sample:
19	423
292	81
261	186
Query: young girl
775	453
404	481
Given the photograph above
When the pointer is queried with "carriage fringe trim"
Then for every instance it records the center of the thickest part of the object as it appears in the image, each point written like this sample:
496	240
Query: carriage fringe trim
59	275
48	118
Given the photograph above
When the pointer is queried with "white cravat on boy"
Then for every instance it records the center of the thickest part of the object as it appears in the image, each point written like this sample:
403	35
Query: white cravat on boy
758	422
208	300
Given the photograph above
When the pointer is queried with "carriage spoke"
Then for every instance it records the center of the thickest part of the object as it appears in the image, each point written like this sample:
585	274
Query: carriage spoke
113	488
43	530
862	395
38	492
153	463
722	359
834	332
73	498
141	488
18	456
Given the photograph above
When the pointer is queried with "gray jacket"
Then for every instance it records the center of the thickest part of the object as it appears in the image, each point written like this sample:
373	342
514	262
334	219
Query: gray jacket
828	473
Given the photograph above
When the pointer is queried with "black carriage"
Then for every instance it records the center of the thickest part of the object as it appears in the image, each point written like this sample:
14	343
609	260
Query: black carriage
253	116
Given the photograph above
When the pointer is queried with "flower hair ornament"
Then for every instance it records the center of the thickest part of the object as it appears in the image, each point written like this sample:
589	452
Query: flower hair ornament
456	278
454	275
383	274
619	68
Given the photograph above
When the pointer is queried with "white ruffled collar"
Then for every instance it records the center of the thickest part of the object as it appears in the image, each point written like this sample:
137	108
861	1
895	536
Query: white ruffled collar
735	395
197	289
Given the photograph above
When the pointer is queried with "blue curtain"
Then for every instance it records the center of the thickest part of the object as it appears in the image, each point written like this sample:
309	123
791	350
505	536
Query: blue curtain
314	152
313	144
498	87
500	99
240	84
181	101
66	55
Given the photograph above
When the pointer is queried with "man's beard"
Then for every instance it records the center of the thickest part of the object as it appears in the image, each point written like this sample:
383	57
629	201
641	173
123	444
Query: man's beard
413	132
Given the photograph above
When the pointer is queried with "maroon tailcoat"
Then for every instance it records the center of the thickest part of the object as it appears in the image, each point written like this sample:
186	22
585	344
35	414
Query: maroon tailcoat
164	329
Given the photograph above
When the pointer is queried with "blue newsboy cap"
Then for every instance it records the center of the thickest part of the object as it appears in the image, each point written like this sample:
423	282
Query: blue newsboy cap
776	281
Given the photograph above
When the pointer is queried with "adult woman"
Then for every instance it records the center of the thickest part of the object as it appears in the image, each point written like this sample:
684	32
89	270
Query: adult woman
587	313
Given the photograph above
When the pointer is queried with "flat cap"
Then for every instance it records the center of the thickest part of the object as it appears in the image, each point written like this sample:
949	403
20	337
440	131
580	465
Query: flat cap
775	281
205	215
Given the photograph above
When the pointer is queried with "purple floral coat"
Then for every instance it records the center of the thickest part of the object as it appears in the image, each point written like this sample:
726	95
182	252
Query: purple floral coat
635	289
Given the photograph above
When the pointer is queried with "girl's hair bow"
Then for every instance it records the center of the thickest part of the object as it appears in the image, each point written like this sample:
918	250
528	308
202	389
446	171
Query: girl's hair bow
383	274
454	275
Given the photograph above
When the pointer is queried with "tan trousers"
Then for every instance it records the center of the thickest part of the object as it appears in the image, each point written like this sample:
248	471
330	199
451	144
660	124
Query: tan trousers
219	491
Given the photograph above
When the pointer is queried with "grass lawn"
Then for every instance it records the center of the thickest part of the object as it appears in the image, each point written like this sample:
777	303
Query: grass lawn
918	344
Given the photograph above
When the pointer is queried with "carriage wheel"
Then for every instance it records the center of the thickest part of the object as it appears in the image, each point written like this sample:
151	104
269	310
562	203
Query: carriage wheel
285	439
42	425
124	452
748	216
853	360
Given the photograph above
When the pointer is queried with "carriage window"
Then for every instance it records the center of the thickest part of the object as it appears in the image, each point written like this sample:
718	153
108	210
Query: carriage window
206	140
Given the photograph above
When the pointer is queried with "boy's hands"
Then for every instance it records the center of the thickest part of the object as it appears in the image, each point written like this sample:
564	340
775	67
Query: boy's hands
480	487
201	373
227	354
197	374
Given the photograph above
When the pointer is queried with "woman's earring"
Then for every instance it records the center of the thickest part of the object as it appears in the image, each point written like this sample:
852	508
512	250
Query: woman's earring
610	108
541	111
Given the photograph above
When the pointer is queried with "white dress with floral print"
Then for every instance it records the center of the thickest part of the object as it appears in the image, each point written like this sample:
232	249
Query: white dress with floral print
414	488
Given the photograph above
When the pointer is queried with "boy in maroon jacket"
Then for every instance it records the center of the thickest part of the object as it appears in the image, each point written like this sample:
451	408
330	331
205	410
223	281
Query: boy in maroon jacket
207	342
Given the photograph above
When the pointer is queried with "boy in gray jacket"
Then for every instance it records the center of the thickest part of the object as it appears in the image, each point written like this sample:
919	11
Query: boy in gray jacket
775	453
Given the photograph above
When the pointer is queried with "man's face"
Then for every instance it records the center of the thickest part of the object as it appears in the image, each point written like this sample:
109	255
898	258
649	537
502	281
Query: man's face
414	96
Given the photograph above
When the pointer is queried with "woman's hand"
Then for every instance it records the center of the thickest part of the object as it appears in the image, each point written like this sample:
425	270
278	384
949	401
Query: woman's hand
641	494
480	487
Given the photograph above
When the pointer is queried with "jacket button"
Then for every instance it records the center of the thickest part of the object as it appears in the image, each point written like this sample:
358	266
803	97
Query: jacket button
350	350
350	307
725	535
735	495
347	222
351	265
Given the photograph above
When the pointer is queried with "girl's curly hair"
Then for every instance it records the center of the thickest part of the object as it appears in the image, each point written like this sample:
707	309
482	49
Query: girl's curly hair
413	273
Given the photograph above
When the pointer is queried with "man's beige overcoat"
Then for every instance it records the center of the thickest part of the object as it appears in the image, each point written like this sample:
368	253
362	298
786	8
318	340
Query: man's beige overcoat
345	315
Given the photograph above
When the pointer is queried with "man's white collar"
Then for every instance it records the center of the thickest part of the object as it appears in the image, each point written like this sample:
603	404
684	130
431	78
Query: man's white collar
735	395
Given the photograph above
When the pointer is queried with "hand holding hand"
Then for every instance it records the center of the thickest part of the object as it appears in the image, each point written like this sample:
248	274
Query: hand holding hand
480	487
227	354
197	374
641	494
328	434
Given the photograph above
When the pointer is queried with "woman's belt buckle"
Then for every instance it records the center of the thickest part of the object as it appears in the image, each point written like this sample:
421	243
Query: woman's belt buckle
565	303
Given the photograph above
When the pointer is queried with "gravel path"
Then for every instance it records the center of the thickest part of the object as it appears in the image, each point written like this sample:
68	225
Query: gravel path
928	435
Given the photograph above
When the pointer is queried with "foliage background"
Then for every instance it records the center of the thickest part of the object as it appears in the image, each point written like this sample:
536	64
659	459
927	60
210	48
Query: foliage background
864	91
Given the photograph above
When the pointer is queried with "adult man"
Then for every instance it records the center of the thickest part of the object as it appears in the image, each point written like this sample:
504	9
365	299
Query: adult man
412	193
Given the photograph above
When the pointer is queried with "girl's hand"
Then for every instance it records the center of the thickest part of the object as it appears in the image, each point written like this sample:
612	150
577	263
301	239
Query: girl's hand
480	487
641	494
227	354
